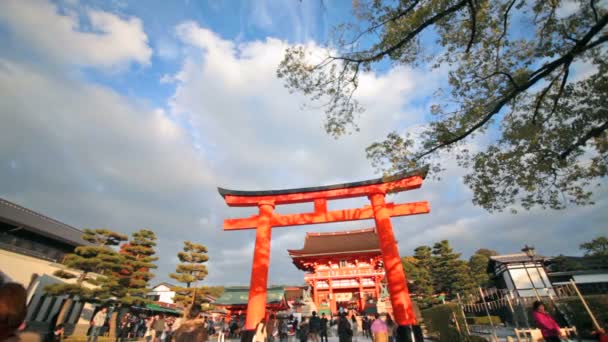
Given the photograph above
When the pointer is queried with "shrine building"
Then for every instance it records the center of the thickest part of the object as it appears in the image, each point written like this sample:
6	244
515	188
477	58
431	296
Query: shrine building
344	269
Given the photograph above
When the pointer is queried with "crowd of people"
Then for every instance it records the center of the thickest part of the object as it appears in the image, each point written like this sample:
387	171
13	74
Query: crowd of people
348	328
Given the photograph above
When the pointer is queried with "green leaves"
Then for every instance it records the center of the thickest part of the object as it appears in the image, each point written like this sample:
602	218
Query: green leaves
510	77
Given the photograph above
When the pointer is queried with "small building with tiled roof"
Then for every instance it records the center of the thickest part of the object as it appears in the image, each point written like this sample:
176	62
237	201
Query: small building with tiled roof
344	269
521	273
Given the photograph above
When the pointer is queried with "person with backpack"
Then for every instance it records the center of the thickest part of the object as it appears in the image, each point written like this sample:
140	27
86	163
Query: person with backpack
314	326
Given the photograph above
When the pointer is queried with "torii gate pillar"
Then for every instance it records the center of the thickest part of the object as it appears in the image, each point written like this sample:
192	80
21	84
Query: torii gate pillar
256	308
395	276
380	211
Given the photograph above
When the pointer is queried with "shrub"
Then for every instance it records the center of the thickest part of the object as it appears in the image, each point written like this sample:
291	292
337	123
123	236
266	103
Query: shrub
438	322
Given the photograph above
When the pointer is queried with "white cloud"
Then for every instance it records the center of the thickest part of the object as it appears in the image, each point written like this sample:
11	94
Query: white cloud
110	40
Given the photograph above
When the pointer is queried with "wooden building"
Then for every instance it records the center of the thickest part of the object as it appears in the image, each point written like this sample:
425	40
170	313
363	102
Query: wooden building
344	269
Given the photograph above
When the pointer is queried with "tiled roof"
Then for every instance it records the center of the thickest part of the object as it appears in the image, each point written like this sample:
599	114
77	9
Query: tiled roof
517	257
353	241
32	221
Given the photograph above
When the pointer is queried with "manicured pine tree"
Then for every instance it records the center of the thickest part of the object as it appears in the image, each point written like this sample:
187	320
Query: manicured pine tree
138	260
98	258
191	271
451	275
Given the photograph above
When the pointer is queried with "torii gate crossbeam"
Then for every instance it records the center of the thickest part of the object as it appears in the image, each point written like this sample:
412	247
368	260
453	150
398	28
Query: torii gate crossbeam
379	210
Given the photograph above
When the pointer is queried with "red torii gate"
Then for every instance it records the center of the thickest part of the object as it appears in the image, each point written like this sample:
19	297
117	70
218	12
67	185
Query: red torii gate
380	211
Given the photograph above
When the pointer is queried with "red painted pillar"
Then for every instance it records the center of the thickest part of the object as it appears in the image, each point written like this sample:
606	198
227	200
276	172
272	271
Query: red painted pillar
256	308
397	283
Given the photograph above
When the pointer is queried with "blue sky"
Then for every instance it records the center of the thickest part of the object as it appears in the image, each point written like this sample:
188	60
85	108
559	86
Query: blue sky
128	115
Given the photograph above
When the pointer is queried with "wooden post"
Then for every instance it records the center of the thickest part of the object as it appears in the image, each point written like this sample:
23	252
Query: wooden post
488	313
580	296
466	325
256	309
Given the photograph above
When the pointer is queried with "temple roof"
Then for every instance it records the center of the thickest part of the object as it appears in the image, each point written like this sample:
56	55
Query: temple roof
345	242
418	172
29	220
240	296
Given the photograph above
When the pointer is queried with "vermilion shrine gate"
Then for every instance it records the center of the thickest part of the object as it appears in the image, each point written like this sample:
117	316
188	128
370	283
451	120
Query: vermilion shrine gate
380	211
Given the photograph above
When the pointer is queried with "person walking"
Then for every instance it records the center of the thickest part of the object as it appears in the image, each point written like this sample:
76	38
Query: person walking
323	328
547	325
354	326
261	332
345	331
97	324
314	326
159	327
379	329
303	330
272	329
390	324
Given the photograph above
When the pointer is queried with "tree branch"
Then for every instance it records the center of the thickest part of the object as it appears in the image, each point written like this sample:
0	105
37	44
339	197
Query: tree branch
505	22
393	19
473	11
593	133
595	15
541	97
536	76
408	37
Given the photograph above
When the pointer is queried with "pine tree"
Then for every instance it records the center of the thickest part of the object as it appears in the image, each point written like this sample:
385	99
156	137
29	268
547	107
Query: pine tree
190	272
451	275
478	263
98	258
139	259
424	260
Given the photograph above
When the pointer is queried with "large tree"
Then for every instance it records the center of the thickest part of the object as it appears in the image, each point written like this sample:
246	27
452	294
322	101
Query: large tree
514	74
190	272
478	264
596	247
450	274
418	269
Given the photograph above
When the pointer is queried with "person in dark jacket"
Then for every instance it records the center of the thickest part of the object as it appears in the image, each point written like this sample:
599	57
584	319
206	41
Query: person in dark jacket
345	332
323	328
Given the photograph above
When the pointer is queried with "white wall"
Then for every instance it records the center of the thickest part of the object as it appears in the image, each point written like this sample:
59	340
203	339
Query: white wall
165	294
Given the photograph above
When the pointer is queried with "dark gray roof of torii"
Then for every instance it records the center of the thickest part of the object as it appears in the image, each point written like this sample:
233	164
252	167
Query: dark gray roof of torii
422	172
32	221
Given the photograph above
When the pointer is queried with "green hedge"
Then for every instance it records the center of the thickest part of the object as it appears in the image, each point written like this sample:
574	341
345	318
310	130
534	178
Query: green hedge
439	324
